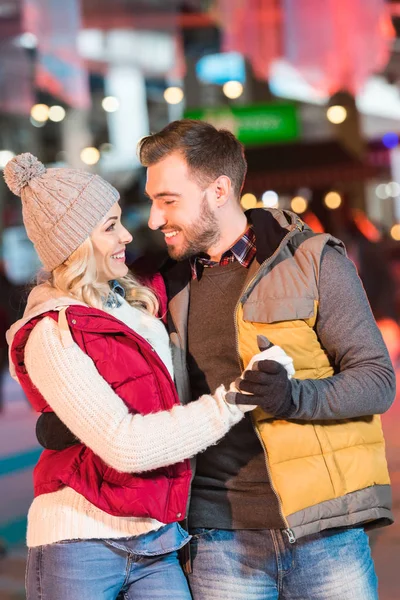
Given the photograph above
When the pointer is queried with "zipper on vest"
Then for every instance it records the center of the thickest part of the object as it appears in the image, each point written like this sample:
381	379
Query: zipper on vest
292	538
290	234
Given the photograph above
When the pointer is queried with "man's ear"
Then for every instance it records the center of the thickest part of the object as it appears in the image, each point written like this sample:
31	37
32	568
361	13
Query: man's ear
223	190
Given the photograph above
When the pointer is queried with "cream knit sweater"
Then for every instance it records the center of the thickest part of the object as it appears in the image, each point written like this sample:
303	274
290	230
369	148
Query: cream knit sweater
69	381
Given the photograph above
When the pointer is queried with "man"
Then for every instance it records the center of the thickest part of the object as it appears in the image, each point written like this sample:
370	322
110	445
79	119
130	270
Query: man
279	506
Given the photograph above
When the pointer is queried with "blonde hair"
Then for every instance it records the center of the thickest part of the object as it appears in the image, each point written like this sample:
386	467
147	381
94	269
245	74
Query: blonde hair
77	277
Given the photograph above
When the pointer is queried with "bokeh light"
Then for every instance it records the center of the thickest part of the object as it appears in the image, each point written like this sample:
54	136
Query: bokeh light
336	114
40	112
382	191
270	199
299	204
333	200
393	189
232	89
5	156
395	232
56	113
248	201
110	104
390	140
90	156
363	224
173	95
28	40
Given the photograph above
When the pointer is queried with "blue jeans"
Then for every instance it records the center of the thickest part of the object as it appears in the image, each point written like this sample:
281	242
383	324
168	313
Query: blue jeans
142	568
263	565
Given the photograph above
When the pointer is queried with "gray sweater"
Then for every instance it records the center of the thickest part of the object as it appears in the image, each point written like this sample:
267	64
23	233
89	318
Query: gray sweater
365	382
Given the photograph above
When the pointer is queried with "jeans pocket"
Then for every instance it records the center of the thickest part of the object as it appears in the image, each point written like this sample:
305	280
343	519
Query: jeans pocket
201	532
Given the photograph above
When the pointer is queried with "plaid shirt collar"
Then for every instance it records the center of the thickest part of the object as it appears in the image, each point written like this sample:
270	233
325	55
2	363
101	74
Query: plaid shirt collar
243	251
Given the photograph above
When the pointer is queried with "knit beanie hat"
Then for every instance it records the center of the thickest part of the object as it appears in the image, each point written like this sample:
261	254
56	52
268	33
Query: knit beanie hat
60	207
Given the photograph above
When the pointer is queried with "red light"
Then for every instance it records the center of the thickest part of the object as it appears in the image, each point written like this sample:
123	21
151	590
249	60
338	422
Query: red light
365	226
312	221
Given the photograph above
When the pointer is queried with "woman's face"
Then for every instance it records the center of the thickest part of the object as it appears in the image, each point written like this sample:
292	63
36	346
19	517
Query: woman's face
109	239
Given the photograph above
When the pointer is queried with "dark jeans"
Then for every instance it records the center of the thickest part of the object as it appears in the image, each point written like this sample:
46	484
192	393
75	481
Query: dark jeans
263	565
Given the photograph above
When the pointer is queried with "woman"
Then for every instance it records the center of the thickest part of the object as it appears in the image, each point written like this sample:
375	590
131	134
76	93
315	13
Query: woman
106	511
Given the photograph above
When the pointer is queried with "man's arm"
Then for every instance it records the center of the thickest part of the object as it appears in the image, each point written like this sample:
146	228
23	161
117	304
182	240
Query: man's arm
365	381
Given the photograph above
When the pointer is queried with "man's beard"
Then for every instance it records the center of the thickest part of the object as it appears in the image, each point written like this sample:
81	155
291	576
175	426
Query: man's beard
199	237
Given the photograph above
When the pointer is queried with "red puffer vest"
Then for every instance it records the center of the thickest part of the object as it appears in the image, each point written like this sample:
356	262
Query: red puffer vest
136	373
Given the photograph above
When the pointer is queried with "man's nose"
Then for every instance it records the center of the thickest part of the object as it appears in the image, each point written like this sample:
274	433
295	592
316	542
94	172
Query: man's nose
156	218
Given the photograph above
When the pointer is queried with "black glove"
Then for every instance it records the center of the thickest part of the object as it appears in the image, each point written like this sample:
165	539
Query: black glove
52	434
269	386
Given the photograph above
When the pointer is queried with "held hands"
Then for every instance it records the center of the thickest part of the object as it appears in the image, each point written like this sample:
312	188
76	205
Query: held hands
265	382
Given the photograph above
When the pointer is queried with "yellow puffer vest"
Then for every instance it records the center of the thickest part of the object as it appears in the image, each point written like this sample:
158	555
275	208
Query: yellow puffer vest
325	474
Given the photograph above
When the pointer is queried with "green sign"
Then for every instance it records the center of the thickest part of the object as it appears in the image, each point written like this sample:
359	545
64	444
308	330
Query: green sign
253	125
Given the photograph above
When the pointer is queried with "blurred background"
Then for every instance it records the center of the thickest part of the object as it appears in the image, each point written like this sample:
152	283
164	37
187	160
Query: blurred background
311	88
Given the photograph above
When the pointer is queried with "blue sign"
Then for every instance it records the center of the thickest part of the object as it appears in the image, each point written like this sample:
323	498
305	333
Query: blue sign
220	68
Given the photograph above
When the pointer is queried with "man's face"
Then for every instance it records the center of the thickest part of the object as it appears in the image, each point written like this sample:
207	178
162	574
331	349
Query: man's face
181	208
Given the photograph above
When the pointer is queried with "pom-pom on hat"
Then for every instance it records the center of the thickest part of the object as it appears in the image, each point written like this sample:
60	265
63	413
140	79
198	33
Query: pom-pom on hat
60	207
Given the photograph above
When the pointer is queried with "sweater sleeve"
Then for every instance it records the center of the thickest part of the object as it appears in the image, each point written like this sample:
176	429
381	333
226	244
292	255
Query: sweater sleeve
69	381
364	380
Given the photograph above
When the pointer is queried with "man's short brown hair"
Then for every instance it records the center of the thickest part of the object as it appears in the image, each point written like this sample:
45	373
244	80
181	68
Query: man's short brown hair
209	152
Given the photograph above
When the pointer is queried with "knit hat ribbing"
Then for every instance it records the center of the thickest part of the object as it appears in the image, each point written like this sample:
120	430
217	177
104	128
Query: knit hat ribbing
60	207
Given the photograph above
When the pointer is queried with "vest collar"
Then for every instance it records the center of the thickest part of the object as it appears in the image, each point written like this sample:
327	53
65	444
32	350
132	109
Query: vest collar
270	227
